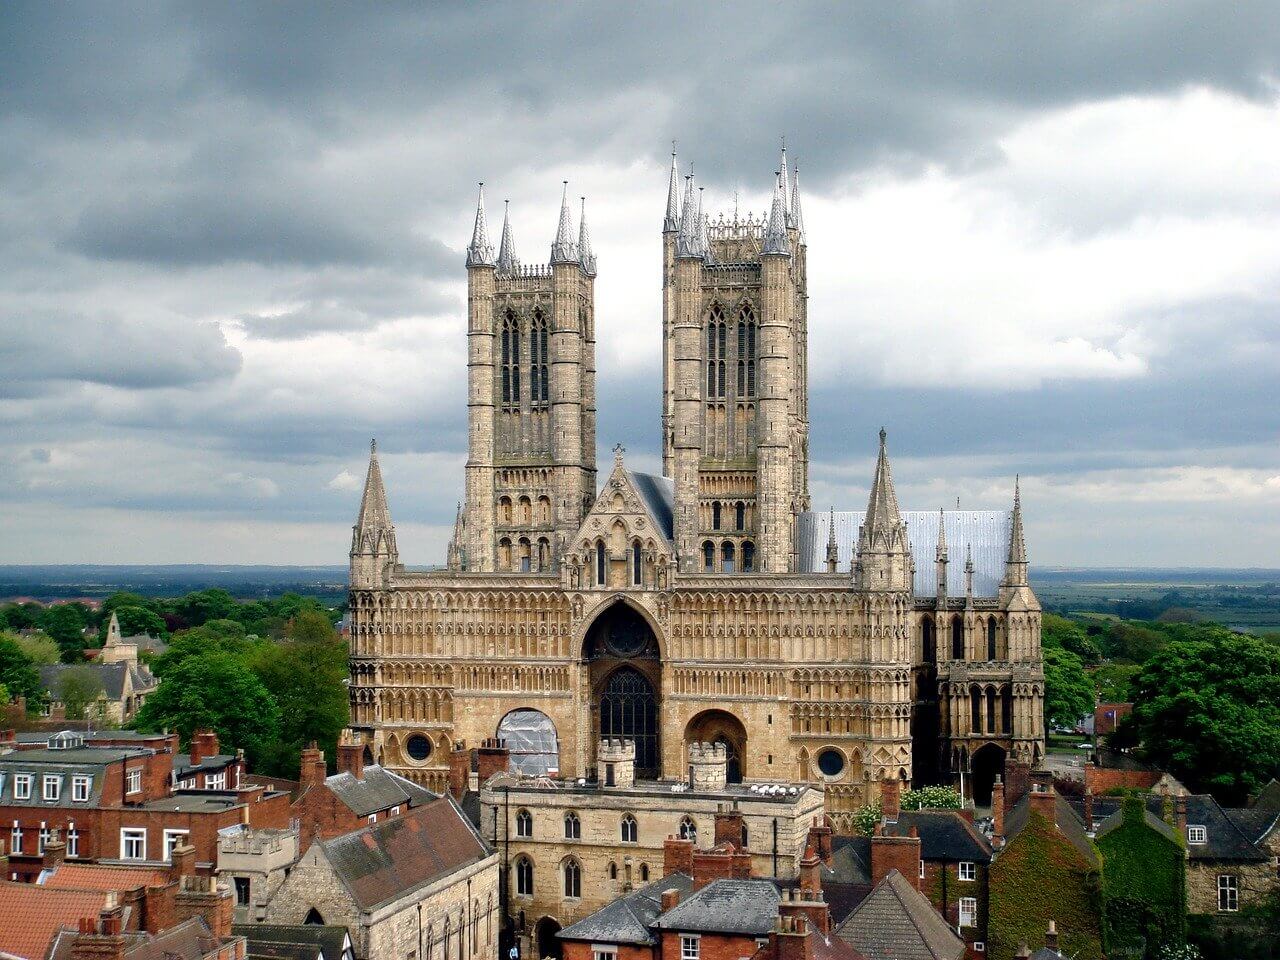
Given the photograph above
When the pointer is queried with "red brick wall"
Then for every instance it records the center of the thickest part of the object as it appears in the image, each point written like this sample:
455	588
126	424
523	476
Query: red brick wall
573	950
1107	715
944	888
713	946
1100	780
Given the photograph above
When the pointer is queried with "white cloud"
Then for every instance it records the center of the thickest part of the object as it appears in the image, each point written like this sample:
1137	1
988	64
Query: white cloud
346	480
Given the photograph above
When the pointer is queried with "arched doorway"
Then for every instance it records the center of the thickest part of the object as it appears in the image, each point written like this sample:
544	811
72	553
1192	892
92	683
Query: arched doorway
545	939
313	918
720	726
987	763
625	673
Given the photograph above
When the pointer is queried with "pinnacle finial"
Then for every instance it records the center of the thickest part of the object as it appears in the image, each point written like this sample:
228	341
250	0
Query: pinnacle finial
797	216
689	240
704	235
942	534
373	447
507	259
480	252
1016	565
785	185
671	222
775	235
563	250
618	452
584	243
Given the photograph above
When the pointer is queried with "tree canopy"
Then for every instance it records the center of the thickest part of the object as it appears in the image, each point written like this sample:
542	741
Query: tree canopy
1068	691
18	673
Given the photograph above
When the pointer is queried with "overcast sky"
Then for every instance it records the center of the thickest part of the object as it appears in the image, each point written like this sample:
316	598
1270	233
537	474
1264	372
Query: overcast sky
1043	238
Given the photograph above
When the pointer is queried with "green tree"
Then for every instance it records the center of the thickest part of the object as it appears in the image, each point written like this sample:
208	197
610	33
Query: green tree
213	636
20	616
218	691
65	623
18	673
78	686
204	605
1065	634
137	620
305	674
1208	711
1068	691
37	646
1113	681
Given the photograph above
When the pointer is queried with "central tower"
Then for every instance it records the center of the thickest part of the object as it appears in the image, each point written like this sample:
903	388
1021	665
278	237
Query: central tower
531	397
735	419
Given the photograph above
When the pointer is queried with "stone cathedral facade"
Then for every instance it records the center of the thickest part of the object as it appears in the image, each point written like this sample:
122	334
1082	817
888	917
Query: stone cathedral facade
709	604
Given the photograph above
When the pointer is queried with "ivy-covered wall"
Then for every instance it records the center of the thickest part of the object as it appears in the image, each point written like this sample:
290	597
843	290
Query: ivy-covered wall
1039	876
1144	883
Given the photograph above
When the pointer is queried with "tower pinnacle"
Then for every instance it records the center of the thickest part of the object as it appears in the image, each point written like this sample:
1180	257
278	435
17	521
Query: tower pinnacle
785	185
564	250
833	548
480	252
507	259
584	244
884	558
689	240
775	235
671	223
797	216
1015	568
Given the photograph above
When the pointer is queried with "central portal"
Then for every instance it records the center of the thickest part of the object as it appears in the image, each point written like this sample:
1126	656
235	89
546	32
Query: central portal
625	670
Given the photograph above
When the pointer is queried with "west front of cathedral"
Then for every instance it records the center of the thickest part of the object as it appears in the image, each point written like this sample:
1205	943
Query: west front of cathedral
706	605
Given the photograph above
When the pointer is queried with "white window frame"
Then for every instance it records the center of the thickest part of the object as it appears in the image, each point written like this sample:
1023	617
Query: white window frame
133	780
690	946
1229	884
604	951
215	781
171	838
967	871
979	947
73	839
81	788
43	837
15	838
395	811
968	912
921	869
132	835
49	780
373	818
1197	833
23	783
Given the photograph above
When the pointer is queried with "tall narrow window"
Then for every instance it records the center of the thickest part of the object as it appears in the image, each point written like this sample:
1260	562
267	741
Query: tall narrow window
600	571
957	638
975	710
715	516
717	341
708	556
740	516
572	879
746	352
748	557
539	388
637	564
991	638
510	360
727	557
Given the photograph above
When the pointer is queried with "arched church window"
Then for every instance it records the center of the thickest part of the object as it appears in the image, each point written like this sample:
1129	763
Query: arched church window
510	360
530	736
728	557
637	563
991	638
717	341
708	556
524	823
629	830
544	554
957	638
740	516
524	877
715	516
928	641
991	709
613	870
504	509
748	556
572	878
504	554
526	555
746	351
689	830
975	710
644	873
600	568
313	918
538	386
572	826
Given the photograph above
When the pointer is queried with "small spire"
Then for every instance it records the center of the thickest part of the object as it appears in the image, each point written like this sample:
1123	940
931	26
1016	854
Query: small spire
480	252
584	244
785	184
833	548
882	505
797	216
563	250
671	223
374	513
775	235
942	535
507	259
968	575
1015	568
113	630
704	236
689	240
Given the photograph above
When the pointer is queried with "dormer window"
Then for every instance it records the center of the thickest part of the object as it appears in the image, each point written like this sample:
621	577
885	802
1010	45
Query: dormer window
1197	833
22	786
51	787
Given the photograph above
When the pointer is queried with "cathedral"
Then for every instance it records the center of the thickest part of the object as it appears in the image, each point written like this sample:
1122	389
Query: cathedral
710	604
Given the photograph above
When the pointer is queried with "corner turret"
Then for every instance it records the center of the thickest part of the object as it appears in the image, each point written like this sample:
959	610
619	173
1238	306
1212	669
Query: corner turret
884	557
480	250
373	538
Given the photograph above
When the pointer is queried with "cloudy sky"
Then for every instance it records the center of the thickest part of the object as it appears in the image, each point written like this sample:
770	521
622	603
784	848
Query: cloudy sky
1043	239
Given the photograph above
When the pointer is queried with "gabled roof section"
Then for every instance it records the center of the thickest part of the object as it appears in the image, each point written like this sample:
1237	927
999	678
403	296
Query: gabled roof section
628	919
1068	823
331	939
658	495
388	860
651	496
379	789
93	876
748	907
31	916
944	835
897	922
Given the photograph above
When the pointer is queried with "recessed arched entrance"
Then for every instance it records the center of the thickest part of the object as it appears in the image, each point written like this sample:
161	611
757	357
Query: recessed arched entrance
625	676
987	763
545	939
720	726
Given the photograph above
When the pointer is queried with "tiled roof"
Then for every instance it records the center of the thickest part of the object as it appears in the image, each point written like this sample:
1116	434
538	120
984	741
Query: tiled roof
272	939
188	939
1253	822
92	876
628	919
1069	825
183	767
376	791
31	915
658	494
897	922
389	859
748	907
944	835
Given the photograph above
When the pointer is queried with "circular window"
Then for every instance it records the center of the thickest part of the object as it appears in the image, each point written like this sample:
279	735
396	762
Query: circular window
418	746
831	762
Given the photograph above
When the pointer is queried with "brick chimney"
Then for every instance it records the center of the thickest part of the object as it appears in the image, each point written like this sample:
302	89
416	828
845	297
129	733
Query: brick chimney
101	938
351	759
1088	811
459	769
729	827
202	897
806	903
1051	937
1043	799
890	799
1180	815
811	871
677	856
997	813
896	853
312	772
820	838
789	939
722	862
55	852
670	899
183	861
1017	780
491	758
204	743
159	905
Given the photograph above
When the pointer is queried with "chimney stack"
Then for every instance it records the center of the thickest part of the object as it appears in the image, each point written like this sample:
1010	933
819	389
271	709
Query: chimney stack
1180	815
729	827
997	813
204	743
890	853
1043	799
790	939
677	856
202	897
890	799
312	772
670	899
459	770
1051	937
492	757
820	838
55	852
351	759
1088	811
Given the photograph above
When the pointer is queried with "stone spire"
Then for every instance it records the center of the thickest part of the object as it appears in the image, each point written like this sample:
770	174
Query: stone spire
671	223
940	557
113	631
584	244
968	576
1015	568
784	184
833	549
480	252
507	259
704	235
689	240
373	538
564	250
884	558
775	234
797	216
457	552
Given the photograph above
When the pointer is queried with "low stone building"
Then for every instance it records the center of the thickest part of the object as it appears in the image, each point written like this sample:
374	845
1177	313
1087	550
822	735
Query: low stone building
254	862
422	884
569	847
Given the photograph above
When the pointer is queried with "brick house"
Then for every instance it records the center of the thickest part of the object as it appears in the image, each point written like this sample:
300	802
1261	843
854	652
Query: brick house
1107	716
897	922
116	803
416	884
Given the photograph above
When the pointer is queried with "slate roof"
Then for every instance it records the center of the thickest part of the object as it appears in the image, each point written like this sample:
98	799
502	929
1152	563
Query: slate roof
189	939
1254	823
1225	839
748	907
1069	825
1116	819
387	860
1268	797
848	880
628	919
897	922
87	761
111	675
93	876
984	532
183	767
658	494
31	916
944	835
376	791
274	939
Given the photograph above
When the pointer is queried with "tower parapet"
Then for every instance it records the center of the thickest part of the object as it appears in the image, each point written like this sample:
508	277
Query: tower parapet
708	766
